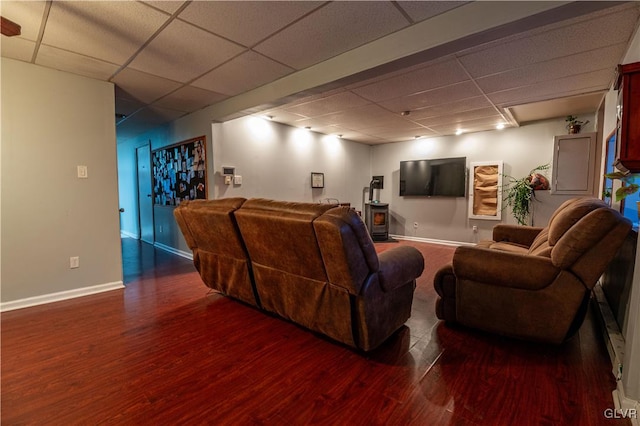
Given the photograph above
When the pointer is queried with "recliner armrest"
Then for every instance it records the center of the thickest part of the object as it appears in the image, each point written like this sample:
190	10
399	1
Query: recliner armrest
399	266
503	268
523	235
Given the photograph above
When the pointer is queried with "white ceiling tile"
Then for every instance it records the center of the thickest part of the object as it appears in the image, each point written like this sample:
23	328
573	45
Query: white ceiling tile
246	22
169	6
365	116
189	99
421	10
455	107
433	97
27	14
457	118
280	115
419	80
487	123
143	87
75	63
327	105
587	35
244	72
108	30
562	87
332	30
582	104
592	60
182	52
17	48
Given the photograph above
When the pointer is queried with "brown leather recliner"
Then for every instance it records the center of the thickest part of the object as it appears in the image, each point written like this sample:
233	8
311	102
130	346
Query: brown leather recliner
313	264
532	283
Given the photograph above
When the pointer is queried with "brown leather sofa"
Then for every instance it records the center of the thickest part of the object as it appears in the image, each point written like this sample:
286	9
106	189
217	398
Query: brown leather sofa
532	283
313	264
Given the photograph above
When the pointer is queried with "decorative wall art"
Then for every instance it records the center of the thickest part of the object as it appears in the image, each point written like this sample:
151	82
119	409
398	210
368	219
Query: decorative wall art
180	172
317	180
485	195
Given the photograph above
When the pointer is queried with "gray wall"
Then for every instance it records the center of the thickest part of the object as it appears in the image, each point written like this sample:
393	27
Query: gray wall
521	149
52	122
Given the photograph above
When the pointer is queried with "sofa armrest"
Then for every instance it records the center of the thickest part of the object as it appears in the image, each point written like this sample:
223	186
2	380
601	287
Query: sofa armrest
399	266
502	268
523	235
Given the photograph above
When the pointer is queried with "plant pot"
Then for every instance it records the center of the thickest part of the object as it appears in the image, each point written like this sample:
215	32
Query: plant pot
574	128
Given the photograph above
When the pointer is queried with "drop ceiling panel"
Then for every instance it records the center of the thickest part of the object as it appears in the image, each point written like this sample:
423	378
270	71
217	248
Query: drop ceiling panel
331	104
426	78
421	10
111	31
246	22
593	60
443	95
189	99
331	30
366	116
587	35
27	14
143	87
395	135
182	52
75	63
575	105
455	107
487	123
244	72
459	117
167	6
17	48
569	86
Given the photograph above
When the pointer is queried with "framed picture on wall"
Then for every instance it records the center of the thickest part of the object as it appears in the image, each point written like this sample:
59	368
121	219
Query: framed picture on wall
317	180
180	172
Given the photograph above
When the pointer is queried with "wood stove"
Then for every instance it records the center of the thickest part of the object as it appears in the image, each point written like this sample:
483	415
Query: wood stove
376	217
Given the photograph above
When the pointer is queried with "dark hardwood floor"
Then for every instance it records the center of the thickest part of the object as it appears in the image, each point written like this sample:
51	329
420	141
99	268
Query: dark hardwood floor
165	350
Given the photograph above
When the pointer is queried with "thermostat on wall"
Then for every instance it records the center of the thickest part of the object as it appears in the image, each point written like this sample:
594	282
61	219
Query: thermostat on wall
228	171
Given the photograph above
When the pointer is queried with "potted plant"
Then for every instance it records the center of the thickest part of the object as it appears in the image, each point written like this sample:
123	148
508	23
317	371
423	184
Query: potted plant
629	186
518	193
574	125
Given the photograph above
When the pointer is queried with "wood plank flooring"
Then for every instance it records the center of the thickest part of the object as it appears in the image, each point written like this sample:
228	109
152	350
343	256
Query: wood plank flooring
165	350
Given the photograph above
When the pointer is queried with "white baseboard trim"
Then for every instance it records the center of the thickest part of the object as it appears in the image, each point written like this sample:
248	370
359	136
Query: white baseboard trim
127	234
614	339
626	407
181	253
59	296
432	241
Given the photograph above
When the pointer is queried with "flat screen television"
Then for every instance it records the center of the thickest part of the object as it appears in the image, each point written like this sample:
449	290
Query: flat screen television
441	177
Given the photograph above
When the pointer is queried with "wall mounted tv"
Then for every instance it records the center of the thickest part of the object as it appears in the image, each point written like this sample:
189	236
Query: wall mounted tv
442	177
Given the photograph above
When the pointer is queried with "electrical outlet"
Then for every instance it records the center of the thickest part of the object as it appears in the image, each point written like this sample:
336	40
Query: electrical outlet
475	228
160	229
415	225
74	262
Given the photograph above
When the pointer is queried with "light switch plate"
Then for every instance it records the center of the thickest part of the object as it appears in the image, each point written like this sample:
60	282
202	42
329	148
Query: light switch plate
237	180
83	172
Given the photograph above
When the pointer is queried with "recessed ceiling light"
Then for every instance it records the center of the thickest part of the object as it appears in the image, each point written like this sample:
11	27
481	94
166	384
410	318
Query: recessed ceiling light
458	132
340	136
308	128
270	117
500	126
417	137
404	113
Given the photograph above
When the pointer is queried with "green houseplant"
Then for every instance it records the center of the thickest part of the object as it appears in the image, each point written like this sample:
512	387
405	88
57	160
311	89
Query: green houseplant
574	125
629	187
518	193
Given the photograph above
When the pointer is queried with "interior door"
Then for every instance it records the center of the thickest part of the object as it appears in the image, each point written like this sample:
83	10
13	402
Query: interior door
145	194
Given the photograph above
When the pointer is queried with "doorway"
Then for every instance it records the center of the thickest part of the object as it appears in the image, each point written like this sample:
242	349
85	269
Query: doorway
145	197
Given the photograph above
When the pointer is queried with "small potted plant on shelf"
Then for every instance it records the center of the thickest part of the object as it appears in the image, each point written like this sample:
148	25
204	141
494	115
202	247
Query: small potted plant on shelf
574	125
518	193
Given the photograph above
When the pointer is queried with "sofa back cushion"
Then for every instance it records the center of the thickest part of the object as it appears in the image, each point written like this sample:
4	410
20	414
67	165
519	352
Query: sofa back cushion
280	235
347	250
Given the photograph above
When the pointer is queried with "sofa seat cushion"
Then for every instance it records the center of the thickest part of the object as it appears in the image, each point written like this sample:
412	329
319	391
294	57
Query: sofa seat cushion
503	246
